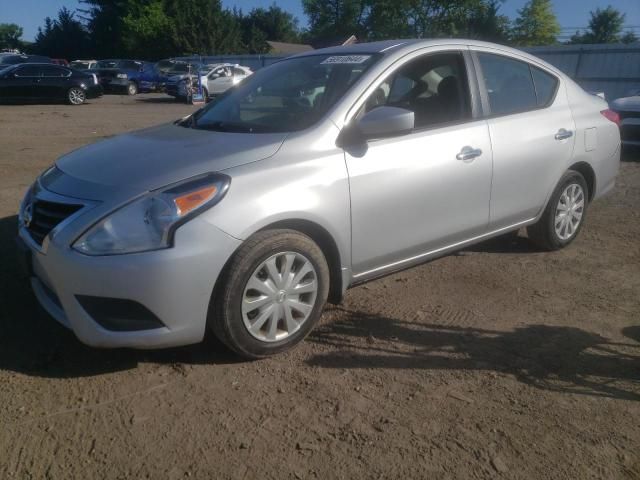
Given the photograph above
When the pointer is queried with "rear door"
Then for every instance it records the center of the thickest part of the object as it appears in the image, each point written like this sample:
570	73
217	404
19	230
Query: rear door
532	134
55	81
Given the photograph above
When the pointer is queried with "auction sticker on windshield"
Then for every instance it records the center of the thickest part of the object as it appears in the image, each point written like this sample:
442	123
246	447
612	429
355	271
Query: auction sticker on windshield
347	59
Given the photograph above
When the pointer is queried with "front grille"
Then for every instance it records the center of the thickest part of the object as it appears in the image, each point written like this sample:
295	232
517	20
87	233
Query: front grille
46	216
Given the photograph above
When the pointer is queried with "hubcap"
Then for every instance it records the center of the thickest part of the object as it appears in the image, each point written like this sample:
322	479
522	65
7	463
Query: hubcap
569	211
279	296
76	96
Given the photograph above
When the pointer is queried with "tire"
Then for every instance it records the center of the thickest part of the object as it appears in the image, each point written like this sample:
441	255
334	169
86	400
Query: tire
243	328
545	233
132	89
205	95
76	96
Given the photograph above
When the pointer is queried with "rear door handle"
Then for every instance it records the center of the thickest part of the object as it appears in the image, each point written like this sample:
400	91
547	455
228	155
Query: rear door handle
467	154
563	134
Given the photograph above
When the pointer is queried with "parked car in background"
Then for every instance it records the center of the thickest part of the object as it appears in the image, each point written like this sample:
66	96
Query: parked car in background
215	79
60	61
628	110
124	76
248	215
175	77
222	77
163	66
11	59
45	81
83	64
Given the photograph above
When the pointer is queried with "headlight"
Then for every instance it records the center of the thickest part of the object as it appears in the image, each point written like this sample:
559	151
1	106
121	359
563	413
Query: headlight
121	75
149	222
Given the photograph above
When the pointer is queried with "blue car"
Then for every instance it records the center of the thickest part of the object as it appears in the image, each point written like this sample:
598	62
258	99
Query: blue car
126	76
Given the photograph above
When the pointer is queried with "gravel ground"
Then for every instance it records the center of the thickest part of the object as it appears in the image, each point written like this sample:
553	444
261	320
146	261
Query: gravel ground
497	362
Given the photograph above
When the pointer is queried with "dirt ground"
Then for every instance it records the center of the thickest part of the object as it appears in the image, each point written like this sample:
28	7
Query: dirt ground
497	362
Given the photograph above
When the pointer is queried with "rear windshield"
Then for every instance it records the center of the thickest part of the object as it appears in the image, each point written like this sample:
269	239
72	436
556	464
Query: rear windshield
287	96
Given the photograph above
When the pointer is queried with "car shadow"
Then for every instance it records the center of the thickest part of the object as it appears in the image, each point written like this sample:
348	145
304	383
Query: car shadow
162	100
33	343
554	358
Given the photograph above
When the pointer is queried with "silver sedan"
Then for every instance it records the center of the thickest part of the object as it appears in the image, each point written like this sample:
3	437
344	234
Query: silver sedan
322	171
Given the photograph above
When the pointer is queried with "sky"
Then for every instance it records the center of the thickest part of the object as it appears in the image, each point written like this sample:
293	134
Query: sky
30	14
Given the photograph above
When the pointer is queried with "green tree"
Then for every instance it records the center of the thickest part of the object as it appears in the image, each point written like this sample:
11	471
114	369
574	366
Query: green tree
536	24
486	23
63	37
104	20
202	27
146	29
629	37
10	34
335	19
605	26
262	24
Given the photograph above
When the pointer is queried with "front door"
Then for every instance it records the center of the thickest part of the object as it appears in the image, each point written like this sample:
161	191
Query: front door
414	195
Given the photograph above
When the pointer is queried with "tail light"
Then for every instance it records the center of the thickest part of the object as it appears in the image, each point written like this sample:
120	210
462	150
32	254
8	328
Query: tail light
611	116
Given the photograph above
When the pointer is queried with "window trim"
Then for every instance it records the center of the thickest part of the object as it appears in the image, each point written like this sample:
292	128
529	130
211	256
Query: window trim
57	67
484	94
16	72
472	84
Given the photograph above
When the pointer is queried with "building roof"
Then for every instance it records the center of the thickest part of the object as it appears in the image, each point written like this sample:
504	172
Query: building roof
288	48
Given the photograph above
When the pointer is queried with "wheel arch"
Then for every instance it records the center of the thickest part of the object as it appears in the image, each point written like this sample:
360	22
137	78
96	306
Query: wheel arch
327	244
589	175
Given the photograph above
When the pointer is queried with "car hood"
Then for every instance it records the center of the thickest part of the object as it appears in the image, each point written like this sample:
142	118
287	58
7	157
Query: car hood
627	104
158	156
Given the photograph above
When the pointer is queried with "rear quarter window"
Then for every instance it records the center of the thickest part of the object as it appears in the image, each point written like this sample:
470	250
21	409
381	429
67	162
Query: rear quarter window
546	86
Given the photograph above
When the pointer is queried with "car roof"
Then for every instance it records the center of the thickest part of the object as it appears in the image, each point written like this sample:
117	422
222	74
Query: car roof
394	46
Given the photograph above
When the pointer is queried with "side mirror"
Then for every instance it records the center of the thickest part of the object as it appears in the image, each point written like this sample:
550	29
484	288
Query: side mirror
384	122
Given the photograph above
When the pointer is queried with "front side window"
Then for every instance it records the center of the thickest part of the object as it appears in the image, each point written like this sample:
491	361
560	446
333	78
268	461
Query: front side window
514	86
433	86
287	96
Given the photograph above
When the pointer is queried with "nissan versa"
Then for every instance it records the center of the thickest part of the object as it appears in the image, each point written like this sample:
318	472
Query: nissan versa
321	171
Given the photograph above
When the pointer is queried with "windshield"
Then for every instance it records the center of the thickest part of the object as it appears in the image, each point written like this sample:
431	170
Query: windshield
288	96
80	65
108	64
182	68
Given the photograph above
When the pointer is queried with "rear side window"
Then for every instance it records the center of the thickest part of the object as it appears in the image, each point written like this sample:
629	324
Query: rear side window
54	71
509	84
546	86
28	71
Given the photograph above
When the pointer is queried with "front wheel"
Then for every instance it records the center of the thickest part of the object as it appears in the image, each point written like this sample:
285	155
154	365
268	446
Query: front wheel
132	88
76	96
272	294
564	215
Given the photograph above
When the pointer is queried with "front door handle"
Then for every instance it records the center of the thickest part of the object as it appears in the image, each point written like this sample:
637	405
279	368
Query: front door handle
467	154
563	134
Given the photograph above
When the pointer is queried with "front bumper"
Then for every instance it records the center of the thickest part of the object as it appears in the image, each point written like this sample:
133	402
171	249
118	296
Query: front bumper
175	284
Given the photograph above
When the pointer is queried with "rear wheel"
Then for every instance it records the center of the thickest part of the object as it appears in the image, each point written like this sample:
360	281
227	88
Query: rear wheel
76	96
564	215
132	88
271	295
